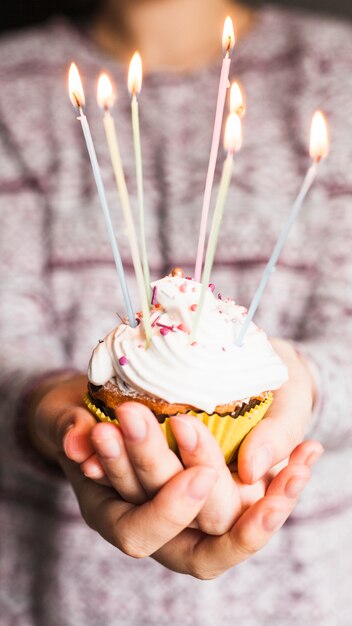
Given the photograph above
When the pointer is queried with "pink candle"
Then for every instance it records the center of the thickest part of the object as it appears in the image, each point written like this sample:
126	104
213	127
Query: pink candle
228	42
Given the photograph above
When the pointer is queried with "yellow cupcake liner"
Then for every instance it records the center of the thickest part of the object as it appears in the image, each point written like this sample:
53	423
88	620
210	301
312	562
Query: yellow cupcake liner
228	431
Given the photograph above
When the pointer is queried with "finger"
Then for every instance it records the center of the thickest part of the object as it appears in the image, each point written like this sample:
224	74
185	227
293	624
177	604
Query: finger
140	531
113	458
197	446
251	533
93	469
272	440
152	459
290	482
308	452
71	432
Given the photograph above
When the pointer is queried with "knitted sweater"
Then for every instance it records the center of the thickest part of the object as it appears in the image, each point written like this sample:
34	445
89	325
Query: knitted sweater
59	294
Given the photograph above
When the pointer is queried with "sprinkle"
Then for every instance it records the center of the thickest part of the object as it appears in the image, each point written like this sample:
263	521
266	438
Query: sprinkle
157	306
177	271
101	340
183	287
188	278
193	307
211	287
164	331
223	349
123	360
155	289
165	326
194	343
156	320
141	346
219	296
183	327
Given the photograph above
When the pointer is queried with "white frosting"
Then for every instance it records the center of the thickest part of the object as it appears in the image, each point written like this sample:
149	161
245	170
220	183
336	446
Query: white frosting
211	372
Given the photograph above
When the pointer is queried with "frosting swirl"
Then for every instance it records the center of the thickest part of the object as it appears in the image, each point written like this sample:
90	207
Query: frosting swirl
207	373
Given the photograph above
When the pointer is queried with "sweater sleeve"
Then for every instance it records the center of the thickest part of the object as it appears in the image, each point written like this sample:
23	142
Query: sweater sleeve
30	346
327	333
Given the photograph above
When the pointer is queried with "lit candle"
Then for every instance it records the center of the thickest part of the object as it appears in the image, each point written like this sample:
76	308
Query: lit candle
228	42
134	87
319	146
77	98
106	98
236	100
232	144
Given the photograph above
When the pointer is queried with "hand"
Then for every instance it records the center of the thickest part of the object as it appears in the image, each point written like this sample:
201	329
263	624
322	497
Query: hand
136	461
284	425
159	527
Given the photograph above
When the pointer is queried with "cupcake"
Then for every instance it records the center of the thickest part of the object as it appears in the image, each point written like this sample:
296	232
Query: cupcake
228	388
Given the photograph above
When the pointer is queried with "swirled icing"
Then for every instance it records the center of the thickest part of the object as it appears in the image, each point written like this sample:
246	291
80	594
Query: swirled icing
207	373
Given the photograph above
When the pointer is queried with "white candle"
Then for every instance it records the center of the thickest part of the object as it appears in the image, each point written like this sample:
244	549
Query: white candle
318	150
134	86
228	44
105	100
77	98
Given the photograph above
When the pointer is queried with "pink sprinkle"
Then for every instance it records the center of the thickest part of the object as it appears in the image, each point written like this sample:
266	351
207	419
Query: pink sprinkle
165	326
183	327
194	343
183	287
193	307
123	360
223	349
211	287
164	331
219	296
188	277
155	289
156	320
141	346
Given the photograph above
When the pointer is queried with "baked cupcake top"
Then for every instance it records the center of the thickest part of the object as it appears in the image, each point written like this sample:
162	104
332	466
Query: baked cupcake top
208	372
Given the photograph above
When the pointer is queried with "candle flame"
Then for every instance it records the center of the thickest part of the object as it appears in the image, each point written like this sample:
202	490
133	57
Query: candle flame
228	36
319	139
236	100
105	92
233	133
75	88
135	75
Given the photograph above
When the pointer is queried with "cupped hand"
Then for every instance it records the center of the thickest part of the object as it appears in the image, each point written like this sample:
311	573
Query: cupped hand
284	425
136	461
160	527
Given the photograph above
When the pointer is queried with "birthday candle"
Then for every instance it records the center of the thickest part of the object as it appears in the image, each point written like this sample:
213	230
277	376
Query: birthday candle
232	143
134	87
318	151
78	100
228	42
106	97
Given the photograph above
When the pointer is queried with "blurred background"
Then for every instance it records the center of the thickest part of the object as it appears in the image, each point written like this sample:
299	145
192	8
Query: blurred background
19	13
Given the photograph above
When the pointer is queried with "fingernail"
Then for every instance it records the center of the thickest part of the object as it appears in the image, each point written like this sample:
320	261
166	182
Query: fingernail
94	474
313	458
186	435
200	485
134	429
262	461
65	440
108	447
294	486
273	520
